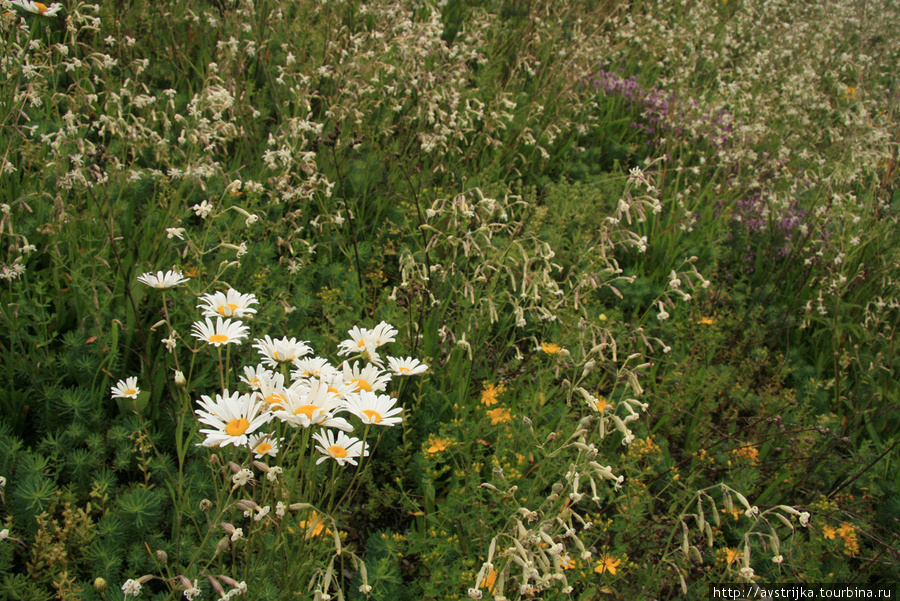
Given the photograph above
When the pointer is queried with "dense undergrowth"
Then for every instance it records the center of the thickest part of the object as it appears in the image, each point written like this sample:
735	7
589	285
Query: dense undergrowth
647	251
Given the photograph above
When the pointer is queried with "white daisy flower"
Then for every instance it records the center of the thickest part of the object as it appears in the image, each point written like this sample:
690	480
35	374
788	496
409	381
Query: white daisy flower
161	280
264	444
314	367
38	8
361	341
343	448
272	390
312	406
224	332
406	367
368	379
336	385
384	333
126	389
254	376
228	304
374	409
281	350
233	418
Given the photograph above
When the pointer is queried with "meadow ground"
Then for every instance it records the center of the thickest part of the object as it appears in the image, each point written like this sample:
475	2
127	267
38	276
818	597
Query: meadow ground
417	299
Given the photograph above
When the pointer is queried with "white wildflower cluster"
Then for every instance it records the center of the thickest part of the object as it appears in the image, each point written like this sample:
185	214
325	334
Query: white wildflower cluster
316	393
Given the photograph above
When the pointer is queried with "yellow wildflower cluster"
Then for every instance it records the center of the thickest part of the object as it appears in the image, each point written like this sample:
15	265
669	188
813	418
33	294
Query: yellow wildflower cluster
847	533
748	452
643	447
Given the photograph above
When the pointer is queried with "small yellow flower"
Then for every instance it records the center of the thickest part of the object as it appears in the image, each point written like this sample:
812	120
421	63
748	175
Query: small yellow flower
314	526
499	415
850	92
608	563
732	555
706	321
550	348
829	532
490	393
437	445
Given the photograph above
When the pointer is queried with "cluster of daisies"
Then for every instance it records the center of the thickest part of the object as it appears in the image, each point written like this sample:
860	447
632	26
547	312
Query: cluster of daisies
290	384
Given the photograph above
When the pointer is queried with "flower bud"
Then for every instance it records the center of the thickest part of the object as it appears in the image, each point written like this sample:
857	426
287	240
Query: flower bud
100	585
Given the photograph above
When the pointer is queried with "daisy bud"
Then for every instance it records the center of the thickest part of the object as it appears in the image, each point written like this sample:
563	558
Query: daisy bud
299	506
162	557
100	585
180	380
778	559
205	505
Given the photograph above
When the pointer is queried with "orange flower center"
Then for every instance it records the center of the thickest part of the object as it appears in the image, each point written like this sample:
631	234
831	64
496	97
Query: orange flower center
221	338
263	448
403	370
374	416
236	427
42	8
337	452
281	360
130	392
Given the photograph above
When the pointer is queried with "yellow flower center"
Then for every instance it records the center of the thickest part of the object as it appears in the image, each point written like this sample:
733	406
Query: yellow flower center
42	8
227	310
254	382
333	390
274	398
279	359
263	448
374	416
306	410
130	392
361	344
218	338
236	427
337	452
403	370
362	384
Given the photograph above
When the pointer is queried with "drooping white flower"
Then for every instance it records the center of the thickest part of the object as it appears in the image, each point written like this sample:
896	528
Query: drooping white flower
131	587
